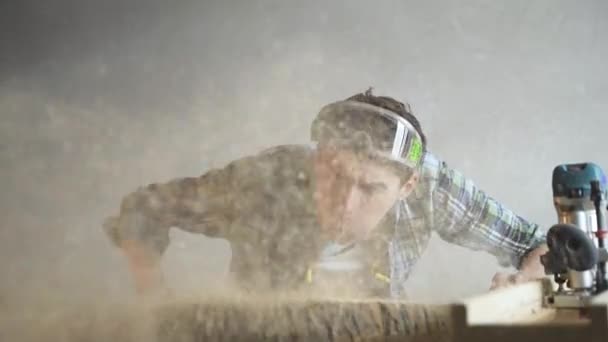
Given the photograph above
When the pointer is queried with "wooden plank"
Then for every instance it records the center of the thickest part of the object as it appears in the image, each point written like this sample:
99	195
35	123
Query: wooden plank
506	305
512	314
528	333
517	314
314	320
245	319
599	317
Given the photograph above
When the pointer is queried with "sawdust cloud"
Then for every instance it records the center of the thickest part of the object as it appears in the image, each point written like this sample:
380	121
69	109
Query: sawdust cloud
98	101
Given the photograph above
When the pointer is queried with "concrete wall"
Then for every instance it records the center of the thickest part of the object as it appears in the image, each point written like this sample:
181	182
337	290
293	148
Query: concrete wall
98	98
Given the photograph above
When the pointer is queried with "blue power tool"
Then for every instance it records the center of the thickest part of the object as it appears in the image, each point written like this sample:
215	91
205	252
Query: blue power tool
577	255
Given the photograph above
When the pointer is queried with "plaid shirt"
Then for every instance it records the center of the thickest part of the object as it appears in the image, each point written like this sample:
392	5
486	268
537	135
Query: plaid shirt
263	205
451	205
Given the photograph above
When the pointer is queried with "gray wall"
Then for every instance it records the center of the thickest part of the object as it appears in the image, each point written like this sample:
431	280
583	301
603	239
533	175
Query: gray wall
98	98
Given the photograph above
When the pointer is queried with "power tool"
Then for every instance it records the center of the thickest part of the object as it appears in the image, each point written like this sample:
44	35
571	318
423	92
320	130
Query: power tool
577	244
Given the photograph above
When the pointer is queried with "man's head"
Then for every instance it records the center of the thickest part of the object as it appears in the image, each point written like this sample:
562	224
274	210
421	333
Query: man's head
369	150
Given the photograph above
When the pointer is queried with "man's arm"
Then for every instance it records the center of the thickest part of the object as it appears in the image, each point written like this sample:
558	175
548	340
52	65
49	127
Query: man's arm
465	215
141	229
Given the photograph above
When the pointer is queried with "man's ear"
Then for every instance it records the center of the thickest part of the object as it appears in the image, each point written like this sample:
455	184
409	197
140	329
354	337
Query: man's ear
409	186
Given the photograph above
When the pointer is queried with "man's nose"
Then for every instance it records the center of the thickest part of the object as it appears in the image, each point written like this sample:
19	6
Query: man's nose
352	201
341	194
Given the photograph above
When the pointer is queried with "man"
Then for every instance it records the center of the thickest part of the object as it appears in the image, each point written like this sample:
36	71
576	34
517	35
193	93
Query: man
368	189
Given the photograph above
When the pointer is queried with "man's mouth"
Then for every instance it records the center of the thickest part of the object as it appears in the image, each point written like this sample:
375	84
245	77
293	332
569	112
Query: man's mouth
345	234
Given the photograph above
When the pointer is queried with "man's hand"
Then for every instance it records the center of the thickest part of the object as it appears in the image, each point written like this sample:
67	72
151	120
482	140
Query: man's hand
143	261
531	269
502	279
145	267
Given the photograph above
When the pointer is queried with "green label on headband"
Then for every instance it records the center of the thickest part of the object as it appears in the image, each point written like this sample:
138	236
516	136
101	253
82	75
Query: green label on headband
415	152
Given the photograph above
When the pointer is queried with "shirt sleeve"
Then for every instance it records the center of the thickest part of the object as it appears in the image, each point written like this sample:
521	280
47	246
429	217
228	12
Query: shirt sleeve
465	215
196	204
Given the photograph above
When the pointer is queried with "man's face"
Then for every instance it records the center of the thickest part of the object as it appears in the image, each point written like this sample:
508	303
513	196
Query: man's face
353	194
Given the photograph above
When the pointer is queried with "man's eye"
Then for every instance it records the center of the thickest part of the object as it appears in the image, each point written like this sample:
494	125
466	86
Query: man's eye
369	188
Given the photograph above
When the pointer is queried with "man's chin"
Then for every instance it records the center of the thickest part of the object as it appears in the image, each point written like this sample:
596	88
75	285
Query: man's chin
350	237
344	236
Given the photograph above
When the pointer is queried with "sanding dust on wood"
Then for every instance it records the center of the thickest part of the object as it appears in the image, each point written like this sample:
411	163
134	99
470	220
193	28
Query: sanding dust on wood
241	319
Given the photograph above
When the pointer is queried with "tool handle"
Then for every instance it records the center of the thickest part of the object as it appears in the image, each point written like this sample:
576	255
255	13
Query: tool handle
569	248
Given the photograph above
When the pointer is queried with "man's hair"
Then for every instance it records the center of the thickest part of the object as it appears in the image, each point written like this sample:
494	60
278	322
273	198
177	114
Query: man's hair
399	108
389	103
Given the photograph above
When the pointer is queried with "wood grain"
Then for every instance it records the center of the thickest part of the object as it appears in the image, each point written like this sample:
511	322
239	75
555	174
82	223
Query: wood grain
243	319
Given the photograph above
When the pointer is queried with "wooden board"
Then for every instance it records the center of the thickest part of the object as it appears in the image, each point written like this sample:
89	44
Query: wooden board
241	319
305	320
511	314
518	314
